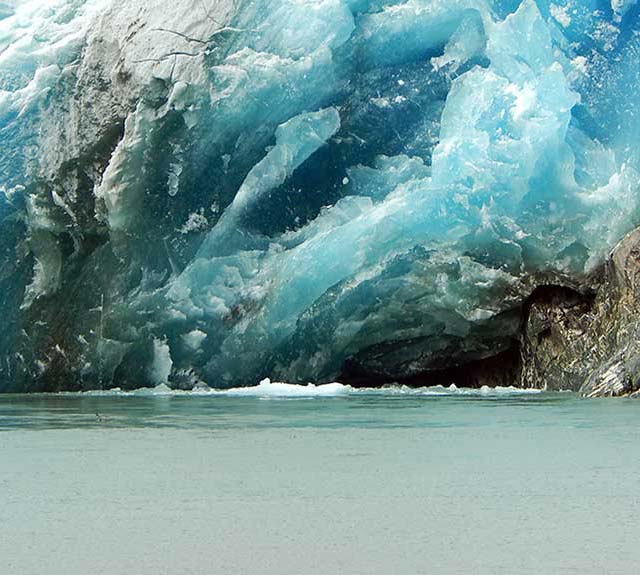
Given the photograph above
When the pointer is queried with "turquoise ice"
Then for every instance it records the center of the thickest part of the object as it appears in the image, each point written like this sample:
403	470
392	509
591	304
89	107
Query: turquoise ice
299	182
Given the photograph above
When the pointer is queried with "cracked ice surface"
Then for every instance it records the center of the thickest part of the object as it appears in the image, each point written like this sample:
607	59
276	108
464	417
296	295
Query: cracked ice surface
270	187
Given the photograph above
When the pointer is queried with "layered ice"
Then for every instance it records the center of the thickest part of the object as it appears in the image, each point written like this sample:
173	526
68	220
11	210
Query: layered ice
223	191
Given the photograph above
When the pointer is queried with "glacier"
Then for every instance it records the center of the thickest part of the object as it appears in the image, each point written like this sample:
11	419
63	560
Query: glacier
223	191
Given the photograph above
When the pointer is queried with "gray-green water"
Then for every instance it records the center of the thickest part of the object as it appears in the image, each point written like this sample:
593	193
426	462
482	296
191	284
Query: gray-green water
331	483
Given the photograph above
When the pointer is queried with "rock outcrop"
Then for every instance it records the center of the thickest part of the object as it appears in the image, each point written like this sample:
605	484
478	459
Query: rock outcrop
590	341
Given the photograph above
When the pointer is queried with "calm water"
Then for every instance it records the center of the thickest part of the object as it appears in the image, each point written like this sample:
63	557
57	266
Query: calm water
327	482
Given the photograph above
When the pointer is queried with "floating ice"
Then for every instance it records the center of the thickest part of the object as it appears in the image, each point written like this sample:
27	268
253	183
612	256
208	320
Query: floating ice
267	389
219	191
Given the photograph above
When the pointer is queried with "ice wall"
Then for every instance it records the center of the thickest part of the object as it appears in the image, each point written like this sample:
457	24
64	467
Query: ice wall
223	191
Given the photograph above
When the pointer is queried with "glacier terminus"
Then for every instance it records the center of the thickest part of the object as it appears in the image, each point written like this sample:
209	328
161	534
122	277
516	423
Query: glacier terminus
218	191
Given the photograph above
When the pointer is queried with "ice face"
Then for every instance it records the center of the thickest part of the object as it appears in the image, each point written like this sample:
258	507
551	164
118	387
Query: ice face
621	7
281	188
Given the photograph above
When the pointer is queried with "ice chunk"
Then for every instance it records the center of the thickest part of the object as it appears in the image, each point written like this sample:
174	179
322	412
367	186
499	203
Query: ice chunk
413	29
161	364
296	140
621	7
467	41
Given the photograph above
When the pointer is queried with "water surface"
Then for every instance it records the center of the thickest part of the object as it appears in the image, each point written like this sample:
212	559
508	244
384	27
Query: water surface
319	480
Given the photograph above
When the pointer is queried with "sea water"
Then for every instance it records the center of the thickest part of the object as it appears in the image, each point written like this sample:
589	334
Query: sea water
318	480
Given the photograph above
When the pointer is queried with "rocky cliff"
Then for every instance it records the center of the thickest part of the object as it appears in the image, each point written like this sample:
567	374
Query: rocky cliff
590	341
